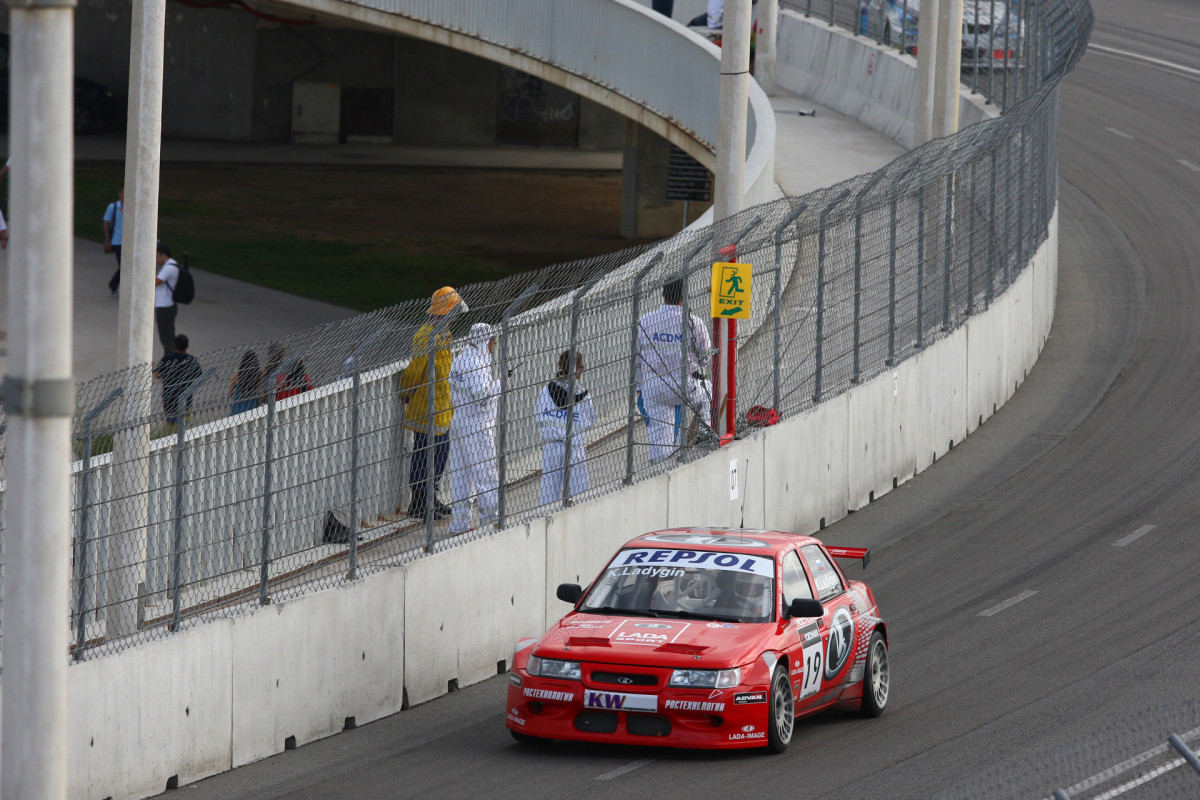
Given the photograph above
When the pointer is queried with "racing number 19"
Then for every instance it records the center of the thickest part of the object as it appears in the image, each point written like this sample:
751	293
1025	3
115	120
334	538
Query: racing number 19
813	664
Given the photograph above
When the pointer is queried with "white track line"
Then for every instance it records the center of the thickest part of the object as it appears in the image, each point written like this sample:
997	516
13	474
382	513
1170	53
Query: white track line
1145	59
619	771
1120	133
1188	164
1012	601
1136	782
1125	766
1139	533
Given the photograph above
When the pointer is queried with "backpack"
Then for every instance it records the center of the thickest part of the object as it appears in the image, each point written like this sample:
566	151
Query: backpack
185	287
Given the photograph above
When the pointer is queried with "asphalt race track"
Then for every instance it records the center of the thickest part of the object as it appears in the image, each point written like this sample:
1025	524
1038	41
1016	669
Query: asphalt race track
1080	498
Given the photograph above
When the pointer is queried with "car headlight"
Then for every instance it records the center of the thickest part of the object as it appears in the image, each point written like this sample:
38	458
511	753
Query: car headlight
707	678
550	668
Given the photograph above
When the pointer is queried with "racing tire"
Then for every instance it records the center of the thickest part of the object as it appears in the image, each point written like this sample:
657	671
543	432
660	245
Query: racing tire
781	722
877	678
525	738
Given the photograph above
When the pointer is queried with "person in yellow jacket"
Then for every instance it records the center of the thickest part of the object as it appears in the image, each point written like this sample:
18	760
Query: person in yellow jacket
415	391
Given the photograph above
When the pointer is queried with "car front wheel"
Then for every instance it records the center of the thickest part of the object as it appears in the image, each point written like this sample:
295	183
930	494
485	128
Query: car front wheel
782	710
877	681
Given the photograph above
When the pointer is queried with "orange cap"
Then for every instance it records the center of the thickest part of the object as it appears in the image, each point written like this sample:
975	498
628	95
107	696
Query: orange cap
444	301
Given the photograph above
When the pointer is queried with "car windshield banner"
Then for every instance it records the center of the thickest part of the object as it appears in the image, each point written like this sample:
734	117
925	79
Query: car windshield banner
646	558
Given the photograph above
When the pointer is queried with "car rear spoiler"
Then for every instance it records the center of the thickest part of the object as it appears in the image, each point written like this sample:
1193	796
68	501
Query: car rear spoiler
851	552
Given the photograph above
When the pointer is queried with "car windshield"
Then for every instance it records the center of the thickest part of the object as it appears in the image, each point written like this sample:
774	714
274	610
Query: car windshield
692	584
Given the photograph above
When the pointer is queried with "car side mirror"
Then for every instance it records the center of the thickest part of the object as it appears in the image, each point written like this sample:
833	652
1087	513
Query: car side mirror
806	608
570	592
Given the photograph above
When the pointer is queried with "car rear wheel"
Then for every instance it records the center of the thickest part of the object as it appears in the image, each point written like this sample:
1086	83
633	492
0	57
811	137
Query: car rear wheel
877	681
782	711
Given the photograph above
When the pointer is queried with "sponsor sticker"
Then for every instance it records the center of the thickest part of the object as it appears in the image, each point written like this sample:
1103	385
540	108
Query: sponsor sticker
650	634
692	705
841	639
656	625
619	701
733	737
720	625
705	538
671	560
742	698
512	717
514	679
549	694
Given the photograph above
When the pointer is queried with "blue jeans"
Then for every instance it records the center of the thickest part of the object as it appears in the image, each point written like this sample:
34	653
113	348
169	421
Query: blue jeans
416	467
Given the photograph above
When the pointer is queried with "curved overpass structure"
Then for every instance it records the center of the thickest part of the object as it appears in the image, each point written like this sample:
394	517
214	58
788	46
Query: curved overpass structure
243	701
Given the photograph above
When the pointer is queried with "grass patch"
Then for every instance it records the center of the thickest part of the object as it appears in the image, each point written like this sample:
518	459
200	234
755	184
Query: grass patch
366	238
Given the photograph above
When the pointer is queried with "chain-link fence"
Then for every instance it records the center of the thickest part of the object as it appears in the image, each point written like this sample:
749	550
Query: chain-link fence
206	486
1150	754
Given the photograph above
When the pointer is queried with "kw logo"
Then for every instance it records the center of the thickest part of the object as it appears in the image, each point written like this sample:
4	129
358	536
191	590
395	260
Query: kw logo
605	700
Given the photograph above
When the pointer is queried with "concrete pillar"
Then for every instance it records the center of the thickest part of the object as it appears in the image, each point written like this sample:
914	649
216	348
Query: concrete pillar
946	80
766	45
927	61
39	400
646	213
135	320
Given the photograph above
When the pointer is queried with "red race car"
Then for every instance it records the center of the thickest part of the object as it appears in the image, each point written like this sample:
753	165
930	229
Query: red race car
704	638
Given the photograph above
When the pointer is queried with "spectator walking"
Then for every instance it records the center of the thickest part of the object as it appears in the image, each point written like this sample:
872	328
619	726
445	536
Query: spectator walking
660	352
554	406
418	416
114	222
178	371
245	386
164	298
474	391
288	383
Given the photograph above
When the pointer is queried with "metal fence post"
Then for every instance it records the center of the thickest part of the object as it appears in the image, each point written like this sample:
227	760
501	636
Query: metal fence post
685	312
892	265
991	54
975	71
921	267
355	386
992	248
570	449
971	240
858	214
634	327
1007	50
85	506
778	294
269	474
1006	250
502	410
832	4
948	247
904	28
431	349
177	537
820	335
1181	747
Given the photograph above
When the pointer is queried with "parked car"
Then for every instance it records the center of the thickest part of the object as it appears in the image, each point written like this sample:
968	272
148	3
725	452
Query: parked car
707	638
94	102
987	25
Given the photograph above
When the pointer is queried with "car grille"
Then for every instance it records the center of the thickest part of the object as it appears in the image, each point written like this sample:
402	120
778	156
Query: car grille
596	721
624	679
647	725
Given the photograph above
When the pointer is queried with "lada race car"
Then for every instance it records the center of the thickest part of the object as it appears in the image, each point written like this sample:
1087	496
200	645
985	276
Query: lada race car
704	638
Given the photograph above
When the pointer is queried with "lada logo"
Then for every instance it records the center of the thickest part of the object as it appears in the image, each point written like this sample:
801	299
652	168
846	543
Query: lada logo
841	639
624	680
747	728
650	625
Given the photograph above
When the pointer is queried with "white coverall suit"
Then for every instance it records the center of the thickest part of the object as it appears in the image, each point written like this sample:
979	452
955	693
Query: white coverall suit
552	424
475	392
659	354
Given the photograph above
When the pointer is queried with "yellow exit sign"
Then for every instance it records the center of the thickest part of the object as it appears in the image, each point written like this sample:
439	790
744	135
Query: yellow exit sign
730	298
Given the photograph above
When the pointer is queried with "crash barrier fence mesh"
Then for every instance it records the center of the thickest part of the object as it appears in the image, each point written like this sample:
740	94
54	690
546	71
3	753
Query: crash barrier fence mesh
269	469
1150	754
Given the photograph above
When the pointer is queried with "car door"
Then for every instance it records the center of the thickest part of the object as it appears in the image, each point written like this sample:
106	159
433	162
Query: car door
839	624
806	648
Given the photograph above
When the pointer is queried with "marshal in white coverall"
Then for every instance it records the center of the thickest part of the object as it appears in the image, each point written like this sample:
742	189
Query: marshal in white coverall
659	352
552	423
474	391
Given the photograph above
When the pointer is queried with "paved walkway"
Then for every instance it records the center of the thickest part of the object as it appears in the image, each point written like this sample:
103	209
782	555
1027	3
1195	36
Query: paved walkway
811	152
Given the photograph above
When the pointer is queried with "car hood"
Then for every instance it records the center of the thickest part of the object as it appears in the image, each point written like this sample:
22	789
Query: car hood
656	642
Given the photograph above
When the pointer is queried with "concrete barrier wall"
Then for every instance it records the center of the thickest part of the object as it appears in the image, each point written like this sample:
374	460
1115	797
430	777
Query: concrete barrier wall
851	74
231	691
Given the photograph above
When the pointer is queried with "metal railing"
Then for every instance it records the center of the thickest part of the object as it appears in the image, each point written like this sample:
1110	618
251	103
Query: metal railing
289	467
